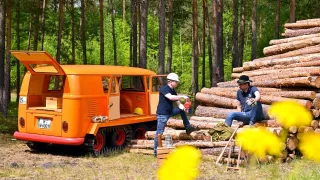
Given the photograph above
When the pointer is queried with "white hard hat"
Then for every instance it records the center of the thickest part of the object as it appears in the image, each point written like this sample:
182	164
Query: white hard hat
173	77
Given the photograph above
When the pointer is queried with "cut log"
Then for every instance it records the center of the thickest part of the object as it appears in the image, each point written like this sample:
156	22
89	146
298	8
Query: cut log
301	129
293	129
222	113
308	20
290	82
238	69
286	40
302	25
181	135
300	32
270	123
252	65
200	124
316	103
206	119
314	124
232	161
315	113
214	100
216	151
303	64
201	144
292	142
308	129
140	151
317	130
289	46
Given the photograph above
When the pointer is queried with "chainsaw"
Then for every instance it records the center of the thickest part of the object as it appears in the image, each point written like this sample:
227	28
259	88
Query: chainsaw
187	105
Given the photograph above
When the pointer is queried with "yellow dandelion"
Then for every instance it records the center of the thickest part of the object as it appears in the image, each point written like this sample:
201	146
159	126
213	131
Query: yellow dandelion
183	163
290	113
310	145
259	141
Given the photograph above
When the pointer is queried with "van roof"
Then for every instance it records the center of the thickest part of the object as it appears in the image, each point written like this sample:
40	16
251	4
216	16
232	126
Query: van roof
97	70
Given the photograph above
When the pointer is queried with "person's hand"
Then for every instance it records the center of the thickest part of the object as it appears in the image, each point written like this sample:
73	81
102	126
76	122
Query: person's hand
251	101
185	97
181	106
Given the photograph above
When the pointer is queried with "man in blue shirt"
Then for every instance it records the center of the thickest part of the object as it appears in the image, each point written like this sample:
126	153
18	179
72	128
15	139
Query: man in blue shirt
165	109
248	105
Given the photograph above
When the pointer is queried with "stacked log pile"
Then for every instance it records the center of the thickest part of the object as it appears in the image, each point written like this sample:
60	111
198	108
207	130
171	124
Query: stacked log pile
290	71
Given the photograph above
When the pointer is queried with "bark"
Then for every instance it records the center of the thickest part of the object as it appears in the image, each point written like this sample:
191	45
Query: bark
134	32
314	124
308	20
215	74
235	59
204	43
181	135
315	113
170	35
293	129
143	36
6	91
162	35
290	82
316	103
124	16
317	130
283	61
220	67
285	47
175	123
292	143
29	34
208	34
238	69
36	26
214	100
60	30
292	10
286	40
301	32
44	4
101	32
206	119
198	143
278	20
242	31
304	25
114	40
195	49
18	48
2	52
83	31
308	129
254	30
73	45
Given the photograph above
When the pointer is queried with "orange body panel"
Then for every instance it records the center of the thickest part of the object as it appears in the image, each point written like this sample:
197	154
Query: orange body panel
83	97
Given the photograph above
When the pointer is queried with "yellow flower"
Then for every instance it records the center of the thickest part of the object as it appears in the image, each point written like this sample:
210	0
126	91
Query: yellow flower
260	142
290	113
181	164
310	145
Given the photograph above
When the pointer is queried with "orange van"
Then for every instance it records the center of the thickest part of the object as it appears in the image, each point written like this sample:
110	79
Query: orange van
98	107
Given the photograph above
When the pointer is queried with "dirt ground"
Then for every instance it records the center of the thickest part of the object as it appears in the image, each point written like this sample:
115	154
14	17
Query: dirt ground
17	161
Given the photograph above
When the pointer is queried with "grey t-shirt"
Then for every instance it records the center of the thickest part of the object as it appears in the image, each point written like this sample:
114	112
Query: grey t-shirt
242	97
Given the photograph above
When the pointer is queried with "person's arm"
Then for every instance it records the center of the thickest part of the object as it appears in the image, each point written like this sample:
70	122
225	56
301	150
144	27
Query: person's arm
258	96
238	106
175	97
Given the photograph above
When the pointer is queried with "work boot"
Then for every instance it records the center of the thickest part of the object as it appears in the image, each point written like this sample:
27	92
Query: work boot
191	129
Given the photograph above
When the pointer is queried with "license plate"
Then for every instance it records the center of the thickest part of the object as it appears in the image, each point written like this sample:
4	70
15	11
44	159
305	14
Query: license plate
44	123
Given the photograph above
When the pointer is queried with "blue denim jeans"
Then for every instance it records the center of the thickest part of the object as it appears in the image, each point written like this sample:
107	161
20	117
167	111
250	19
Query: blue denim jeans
162	122
249	117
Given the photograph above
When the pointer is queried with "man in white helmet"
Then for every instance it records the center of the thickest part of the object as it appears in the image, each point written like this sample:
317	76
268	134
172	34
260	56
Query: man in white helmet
165	109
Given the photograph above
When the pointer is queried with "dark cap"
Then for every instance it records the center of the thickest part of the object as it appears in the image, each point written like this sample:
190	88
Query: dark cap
244	79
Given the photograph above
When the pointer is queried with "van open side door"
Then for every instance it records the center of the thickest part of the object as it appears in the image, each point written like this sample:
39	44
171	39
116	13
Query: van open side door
33	59
154	87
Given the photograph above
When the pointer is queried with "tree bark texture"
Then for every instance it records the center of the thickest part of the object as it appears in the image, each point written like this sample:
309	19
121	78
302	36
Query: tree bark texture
43	22
235	59
59	31
277	36
83	32
254	30
242	31
290	39
36	25
114	39
101	32
292	11
195	49
300	32
204	43
170	35
134	32
162	35
6	91
2	51
18	48
73	43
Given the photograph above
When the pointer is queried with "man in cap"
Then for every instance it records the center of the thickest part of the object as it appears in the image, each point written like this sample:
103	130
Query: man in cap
165	109
248	105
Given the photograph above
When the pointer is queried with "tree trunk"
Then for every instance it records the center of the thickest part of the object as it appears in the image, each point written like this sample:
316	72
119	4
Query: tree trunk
18	48
162	35
242	31
290	46
6	92
170	35
277	36
29	34
301	32
235	59
43	23
134	32
144	35
292	11
208	34
124	16
83	32
101	32
215	74
114	40
2	52
220	40
60	30
254	30
36	25
195	49
73	44
204	43
214	100
315	113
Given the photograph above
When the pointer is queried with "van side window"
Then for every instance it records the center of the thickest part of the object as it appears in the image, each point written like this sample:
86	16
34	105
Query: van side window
105	84
156	84
132	83
55	83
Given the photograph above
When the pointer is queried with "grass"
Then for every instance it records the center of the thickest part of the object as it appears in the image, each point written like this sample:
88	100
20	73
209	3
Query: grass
18	162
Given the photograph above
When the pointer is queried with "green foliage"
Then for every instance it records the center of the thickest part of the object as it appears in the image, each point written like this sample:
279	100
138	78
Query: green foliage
10	124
